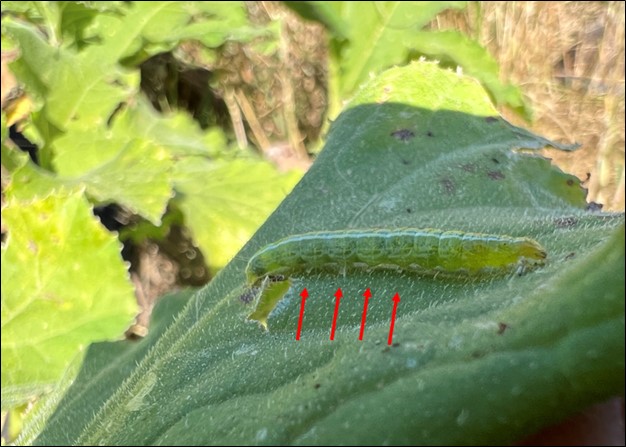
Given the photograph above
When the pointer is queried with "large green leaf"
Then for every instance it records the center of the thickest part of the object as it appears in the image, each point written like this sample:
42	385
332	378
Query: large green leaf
485	361
64	285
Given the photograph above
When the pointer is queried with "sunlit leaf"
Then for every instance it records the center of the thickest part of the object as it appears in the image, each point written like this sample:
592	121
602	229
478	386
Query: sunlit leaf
64	285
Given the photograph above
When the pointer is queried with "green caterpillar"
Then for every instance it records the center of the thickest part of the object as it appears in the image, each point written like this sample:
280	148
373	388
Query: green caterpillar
429	252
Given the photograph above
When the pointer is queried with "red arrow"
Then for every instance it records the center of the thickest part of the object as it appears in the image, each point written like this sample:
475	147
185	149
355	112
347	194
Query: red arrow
338	295
304	294
367	295
396	300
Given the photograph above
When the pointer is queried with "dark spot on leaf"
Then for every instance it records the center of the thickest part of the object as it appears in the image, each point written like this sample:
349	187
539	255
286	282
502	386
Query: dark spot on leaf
406	162
317	385
409	210
570	255
403	134
570	182
495	160
593	207
448	185
565	222
430	134
502	327
469	167
491	119
396	344
248	296
478	354
495	175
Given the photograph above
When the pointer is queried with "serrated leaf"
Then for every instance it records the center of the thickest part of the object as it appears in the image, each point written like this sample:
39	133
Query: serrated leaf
225	202
103	359
177	131
81	90
132	162
64	285
482	362
456	48
137	176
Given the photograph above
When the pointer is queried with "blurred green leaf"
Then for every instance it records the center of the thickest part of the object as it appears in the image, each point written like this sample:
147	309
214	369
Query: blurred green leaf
224	202
81	90
4	129
78	17
160	26
475	362
381	35
64	285
64	22
17	7
137	177
176	131
117	165
103	359
27	179
131	162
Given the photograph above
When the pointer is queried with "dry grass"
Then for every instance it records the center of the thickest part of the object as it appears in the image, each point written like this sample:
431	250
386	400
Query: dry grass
568	59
